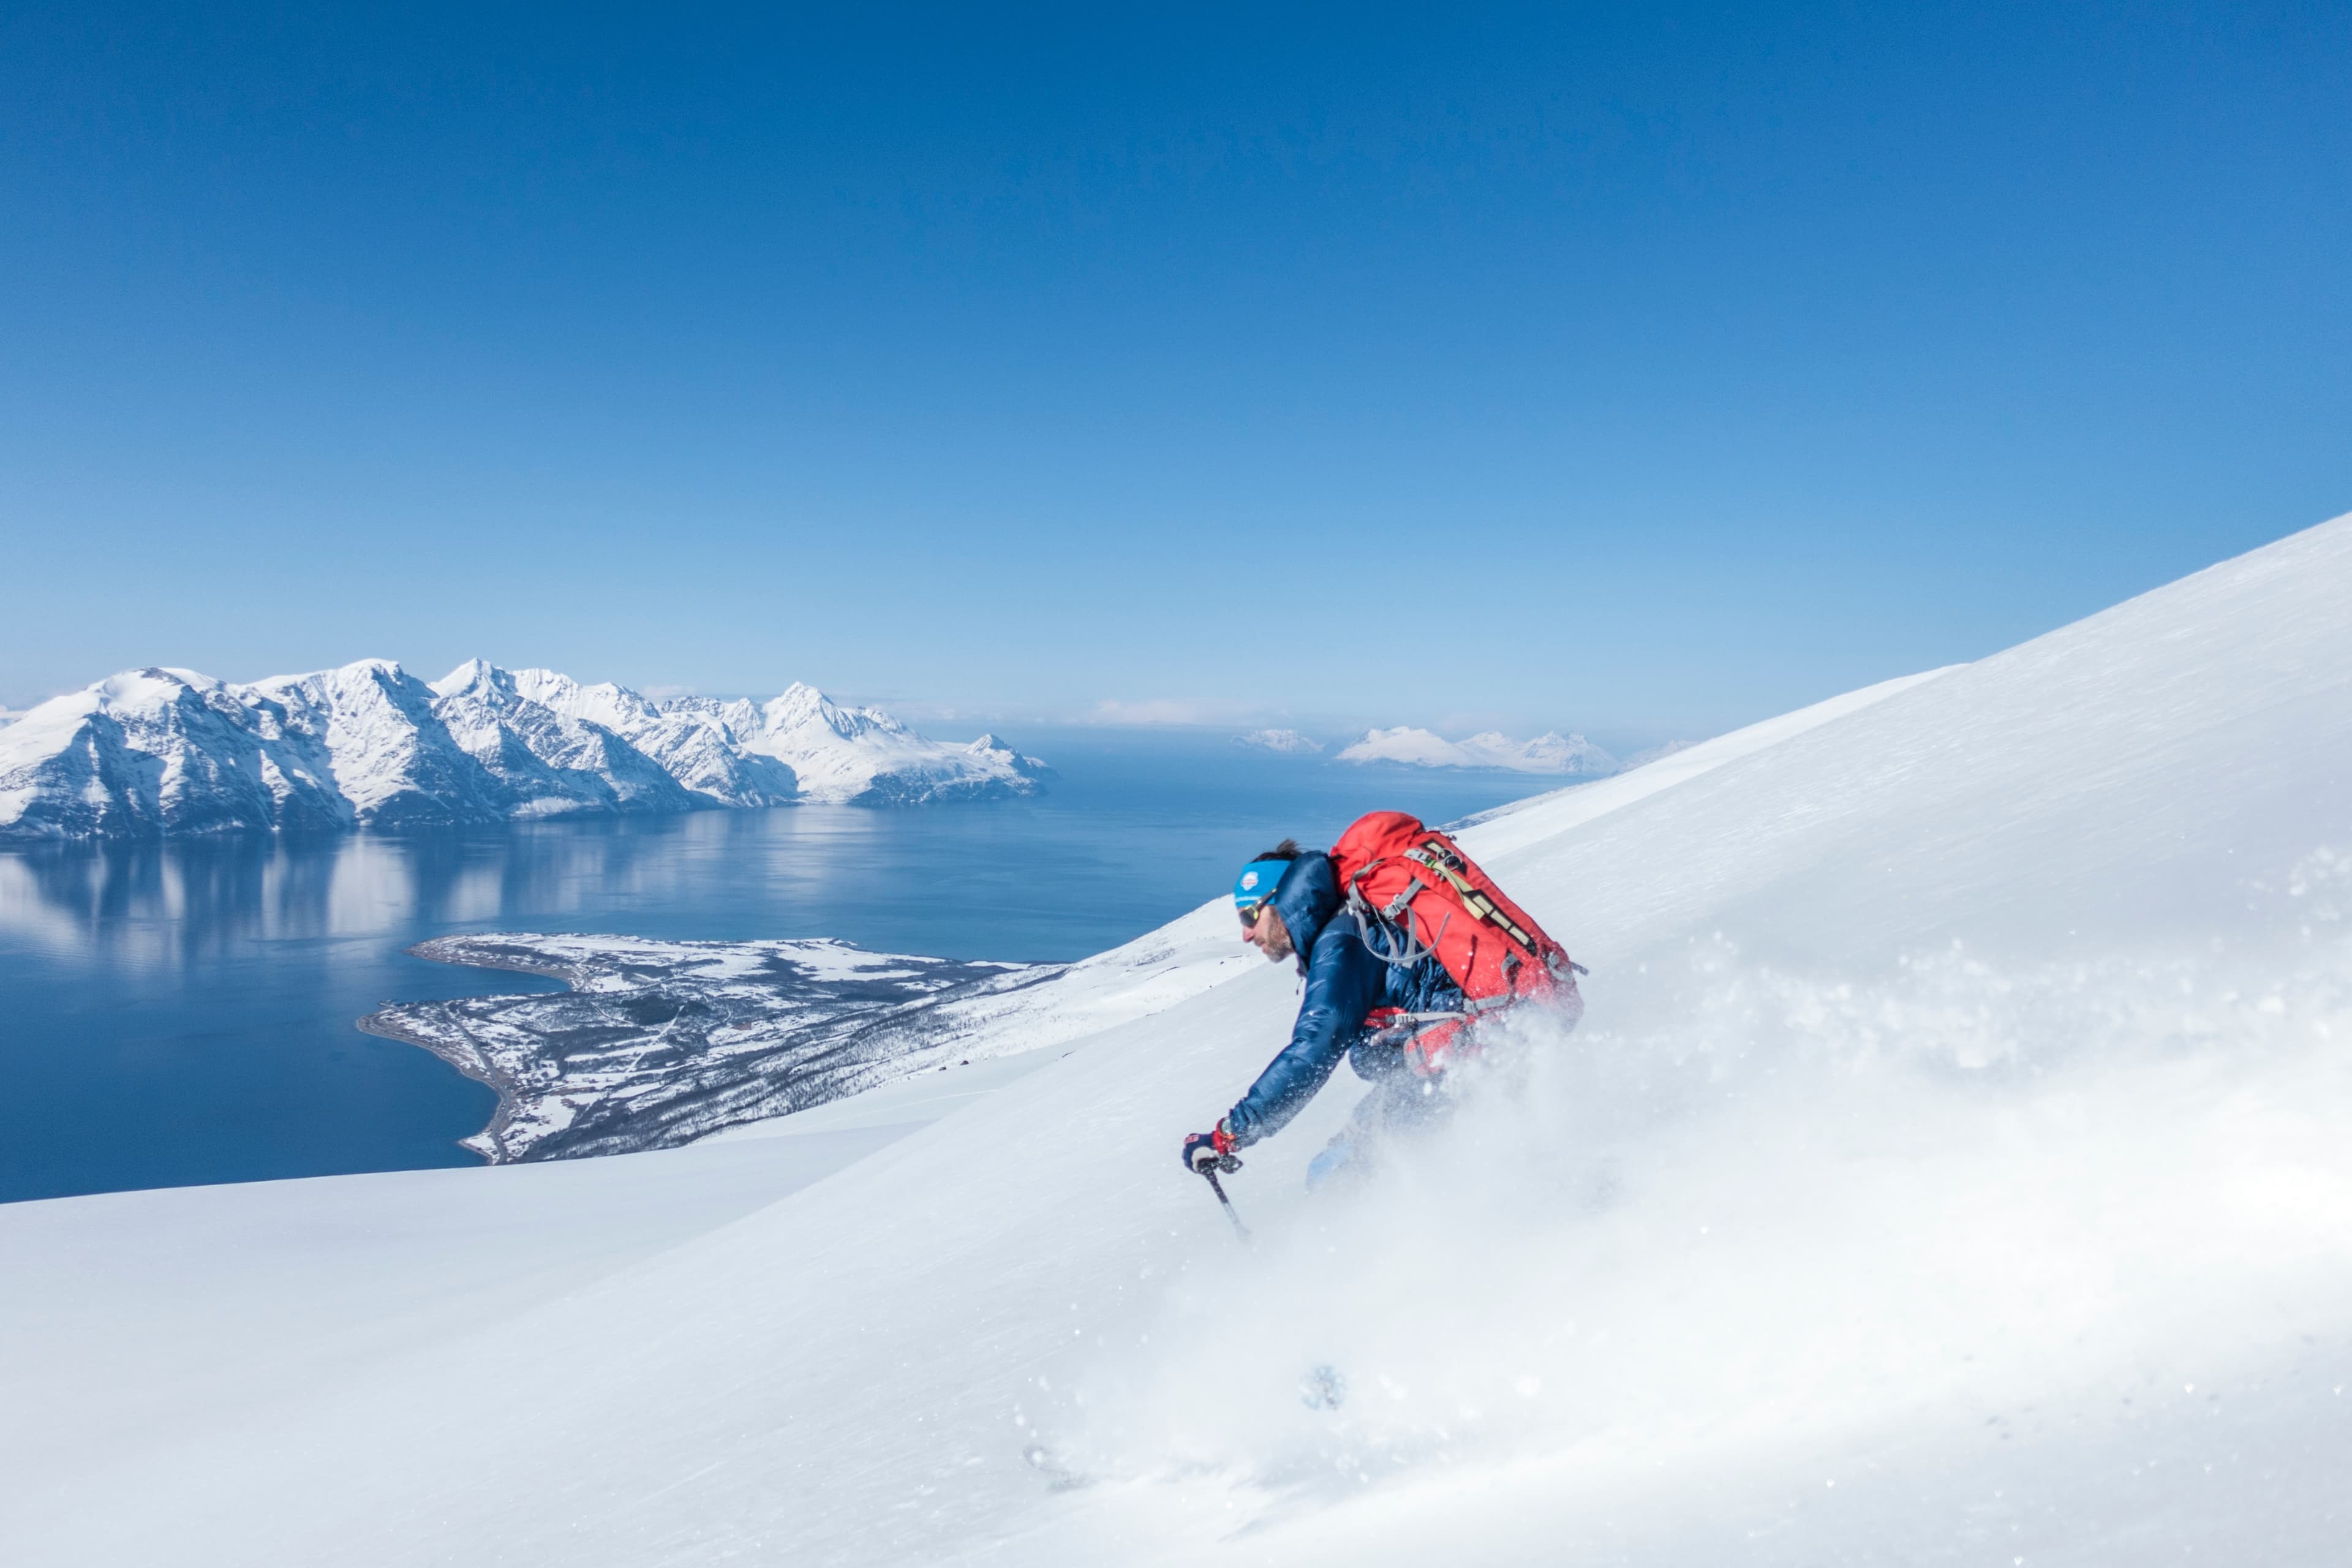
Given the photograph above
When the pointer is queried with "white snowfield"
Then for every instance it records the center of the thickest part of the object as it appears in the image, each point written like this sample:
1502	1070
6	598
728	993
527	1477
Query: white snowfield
369	746
1955	1166
1548	754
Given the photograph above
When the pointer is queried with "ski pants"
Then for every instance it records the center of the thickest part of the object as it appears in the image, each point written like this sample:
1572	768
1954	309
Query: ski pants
1400	1105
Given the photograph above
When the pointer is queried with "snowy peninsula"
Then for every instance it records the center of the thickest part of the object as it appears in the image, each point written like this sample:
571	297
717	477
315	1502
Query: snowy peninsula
658	1043
167	751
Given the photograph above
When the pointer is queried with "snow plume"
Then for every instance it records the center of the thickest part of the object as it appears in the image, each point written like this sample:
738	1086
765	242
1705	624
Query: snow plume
1887	1221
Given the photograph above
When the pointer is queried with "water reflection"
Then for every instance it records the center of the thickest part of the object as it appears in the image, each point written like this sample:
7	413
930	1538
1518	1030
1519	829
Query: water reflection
156	905
190	901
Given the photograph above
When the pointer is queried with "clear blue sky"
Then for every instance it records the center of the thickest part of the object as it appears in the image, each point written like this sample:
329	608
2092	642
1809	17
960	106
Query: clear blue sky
1632	368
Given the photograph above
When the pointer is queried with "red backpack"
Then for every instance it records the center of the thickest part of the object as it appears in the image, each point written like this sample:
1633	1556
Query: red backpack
1415	894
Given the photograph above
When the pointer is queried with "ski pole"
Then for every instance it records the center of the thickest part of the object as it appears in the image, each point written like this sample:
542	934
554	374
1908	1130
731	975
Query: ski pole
1218	1187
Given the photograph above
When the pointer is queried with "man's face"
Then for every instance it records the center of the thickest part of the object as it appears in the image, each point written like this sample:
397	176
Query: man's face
1269	935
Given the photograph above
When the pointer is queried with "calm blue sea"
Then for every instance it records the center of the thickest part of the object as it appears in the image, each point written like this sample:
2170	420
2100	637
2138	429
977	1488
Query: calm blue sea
183	1013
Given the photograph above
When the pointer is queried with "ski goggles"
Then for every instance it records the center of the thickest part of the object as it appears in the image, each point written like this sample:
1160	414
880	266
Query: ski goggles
1255	885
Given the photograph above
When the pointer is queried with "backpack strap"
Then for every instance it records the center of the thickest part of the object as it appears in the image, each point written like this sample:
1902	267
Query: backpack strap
1395	919
1476	901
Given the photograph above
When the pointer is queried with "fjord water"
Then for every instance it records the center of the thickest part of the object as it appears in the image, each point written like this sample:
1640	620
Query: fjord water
182	1013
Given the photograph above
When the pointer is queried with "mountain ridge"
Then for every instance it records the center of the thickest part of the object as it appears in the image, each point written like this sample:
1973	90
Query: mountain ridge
159	751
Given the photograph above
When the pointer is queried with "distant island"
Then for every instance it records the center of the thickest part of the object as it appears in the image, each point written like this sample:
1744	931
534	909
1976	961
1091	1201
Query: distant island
1548	754
1405	745
161	752
1288	741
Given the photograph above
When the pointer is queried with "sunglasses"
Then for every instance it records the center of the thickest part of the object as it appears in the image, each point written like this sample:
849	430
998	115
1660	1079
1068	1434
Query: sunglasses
1249	916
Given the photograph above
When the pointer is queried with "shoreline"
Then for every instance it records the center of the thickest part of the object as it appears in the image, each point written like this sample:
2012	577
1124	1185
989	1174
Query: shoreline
489	1142
470	1060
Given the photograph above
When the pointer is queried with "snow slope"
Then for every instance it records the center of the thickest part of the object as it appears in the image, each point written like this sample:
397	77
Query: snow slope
171	752
1548	754
1952	1168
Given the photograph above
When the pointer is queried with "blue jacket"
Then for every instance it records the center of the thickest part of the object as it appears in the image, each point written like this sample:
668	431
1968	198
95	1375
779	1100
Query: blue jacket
1345	981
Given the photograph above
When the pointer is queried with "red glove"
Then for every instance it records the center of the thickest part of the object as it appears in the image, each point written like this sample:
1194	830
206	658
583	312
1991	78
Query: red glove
1213	1151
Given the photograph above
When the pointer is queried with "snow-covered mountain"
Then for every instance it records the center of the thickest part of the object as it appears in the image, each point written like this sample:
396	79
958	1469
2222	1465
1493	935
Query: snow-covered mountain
1547	753
388	755
1288	741
171	752
698	749
550	763
864	755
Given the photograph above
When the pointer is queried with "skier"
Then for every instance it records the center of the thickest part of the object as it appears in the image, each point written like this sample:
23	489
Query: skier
1287	899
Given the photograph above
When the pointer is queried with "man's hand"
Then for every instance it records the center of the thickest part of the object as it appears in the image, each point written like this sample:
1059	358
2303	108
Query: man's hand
1206	1151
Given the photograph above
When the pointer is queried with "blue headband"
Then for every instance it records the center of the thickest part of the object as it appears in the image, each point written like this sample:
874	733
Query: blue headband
1257	881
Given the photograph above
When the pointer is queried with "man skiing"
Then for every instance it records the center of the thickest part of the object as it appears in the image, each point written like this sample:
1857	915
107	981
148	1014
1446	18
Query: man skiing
1291	907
